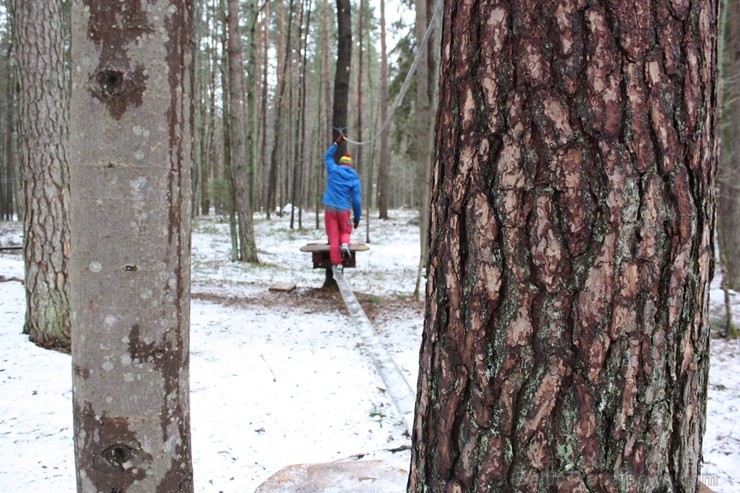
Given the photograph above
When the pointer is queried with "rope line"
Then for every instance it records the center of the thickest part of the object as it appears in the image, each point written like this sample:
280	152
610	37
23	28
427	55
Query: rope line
406	82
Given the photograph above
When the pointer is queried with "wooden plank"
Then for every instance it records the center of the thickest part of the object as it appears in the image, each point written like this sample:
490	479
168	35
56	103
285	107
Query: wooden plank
324	247
399	389
285	287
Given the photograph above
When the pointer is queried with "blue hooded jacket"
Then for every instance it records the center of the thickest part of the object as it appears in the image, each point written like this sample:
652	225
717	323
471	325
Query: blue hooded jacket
342	185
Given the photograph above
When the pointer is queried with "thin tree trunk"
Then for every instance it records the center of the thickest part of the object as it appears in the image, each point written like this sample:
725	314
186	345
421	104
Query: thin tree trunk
384	156
225	116
728	211
264	165
210	139
370	162
274	163
6	211
342	73
130	182
328	109
423	139
9	148
42	136
200	110
302	119
252	102
358	158
239	149
566	336
299	88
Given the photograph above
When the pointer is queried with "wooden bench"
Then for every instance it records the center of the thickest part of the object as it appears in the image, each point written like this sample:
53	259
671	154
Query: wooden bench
320	257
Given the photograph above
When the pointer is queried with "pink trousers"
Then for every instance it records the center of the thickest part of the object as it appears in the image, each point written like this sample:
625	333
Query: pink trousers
338	229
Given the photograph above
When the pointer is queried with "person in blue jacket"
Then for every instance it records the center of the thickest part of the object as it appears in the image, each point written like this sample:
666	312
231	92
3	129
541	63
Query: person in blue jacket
342	190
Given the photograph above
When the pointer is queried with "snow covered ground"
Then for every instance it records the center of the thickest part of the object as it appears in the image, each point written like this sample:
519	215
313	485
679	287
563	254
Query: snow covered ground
276	378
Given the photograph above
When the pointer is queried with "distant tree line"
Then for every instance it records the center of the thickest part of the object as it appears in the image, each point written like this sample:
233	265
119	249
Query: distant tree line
294	43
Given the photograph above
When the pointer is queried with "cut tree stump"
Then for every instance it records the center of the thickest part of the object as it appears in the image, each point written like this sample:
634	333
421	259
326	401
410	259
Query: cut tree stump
705	489
354	475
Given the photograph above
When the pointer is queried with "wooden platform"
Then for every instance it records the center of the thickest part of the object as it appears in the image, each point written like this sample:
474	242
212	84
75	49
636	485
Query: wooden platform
324	247
320	254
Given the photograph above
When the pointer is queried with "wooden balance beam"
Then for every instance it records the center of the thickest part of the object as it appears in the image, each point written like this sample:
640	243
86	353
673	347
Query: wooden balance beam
320	256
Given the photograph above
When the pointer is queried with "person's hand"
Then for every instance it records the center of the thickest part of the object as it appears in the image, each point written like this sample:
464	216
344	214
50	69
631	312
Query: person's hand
340	139
357	224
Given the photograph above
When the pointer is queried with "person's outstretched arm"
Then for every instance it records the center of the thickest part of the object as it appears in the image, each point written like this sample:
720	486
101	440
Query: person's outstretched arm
329	155
357	202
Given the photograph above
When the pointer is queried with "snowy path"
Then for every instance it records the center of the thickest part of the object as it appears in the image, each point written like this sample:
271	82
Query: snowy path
276	379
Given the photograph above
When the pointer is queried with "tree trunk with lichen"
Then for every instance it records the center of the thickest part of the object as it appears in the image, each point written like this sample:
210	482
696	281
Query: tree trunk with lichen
42	131
131	190
565	344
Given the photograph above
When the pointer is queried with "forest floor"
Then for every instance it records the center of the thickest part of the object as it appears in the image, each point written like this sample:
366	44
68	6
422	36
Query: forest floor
278	378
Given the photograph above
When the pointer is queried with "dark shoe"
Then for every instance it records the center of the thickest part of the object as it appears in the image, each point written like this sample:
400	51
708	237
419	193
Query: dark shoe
346	254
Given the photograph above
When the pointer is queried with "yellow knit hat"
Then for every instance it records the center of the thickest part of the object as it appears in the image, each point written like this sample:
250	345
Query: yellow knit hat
346	160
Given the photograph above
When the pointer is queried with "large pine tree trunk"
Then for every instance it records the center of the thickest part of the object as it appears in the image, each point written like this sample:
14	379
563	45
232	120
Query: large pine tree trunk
729	173
130	181
565	345
42	136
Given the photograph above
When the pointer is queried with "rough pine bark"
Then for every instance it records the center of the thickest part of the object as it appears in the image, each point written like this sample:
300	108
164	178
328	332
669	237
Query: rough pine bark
728	212
42	143
565	344
130	179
